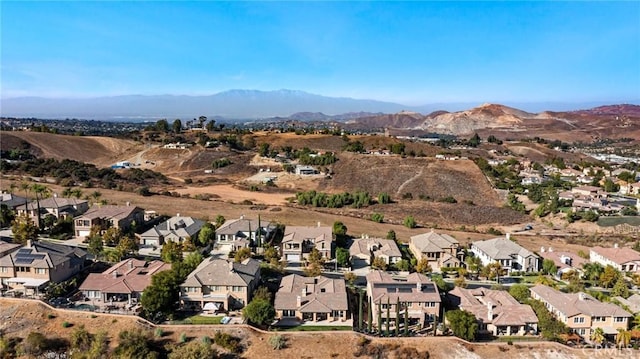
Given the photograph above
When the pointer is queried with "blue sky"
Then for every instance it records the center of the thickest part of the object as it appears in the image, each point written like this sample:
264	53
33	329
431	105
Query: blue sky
408	52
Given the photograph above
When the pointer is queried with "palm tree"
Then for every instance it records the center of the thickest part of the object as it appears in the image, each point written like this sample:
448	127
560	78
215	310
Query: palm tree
623	338
96	195
41	191
25	187
66	192
597	336
592	271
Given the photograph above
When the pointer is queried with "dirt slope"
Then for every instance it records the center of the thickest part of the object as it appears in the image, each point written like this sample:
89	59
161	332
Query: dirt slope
101	151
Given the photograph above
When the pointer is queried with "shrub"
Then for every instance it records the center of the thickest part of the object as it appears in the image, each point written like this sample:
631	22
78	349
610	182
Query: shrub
158	333
377	217
227	341
66	324
183	338
93	316
277	342
206	340
409	222
51	316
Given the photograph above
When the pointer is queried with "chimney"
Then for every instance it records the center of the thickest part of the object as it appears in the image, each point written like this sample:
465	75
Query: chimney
581	296
419	286
29	243
304	291
242	216
55	195
541	249
128	203
490	311
177	214
115	274
298	301
550	249
615	245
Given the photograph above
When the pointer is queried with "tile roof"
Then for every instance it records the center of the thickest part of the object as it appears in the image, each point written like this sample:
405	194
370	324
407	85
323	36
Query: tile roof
43	255
110	211
125	277
571	304
502	248
217	271
317	294
618	255
298	234
53	202
433	242
363	247
175	228
560	258
413	288
235	226
505	310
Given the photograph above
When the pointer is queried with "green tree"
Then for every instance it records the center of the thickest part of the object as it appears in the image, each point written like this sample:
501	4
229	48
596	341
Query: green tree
242	254
80	339
220	221
520	292
163	293
134	344
475	140
391	235
623	338
384	198
162	125
207	234
403	265
609	277
127	246
620	288
514	203
409	222
171	252
592	271
377	217
463	324
379	263
549	267
611	186
95	246
342	256
259	311
177	126
423	266
24	229
339	229
597	336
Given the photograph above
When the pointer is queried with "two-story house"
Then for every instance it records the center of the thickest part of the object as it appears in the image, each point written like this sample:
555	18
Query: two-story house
508	253
496	311
581	312
565	261
175	229
108	216
299	241
228	285
244	233
12	201
621	258
440	250
30	268
125	280
417	295
54	206
366	249
312	299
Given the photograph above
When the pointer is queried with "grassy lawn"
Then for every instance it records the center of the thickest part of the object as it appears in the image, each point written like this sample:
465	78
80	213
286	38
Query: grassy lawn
314	328
199	319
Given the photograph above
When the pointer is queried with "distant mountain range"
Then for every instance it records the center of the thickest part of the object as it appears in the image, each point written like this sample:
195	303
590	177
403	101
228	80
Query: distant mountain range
233	104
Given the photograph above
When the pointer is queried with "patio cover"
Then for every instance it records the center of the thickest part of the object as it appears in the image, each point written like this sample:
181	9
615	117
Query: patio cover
211	306
28	282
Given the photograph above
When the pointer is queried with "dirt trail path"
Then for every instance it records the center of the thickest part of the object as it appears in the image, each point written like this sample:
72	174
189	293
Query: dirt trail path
405	183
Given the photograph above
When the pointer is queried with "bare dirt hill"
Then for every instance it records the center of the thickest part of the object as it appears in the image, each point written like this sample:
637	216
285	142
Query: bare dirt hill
100	151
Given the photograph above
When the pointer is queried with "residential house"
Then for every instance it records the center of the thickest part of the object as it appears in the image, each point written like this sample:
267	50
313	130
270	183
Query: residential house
564	261
175	229
11	200
244	233
589	191
632	303
125	280
508	253
621	258
305	170
30	268
299	241
54	206
417	295
496	311
366	249
228	285
312	299
440	250
107	216
7	248
581	312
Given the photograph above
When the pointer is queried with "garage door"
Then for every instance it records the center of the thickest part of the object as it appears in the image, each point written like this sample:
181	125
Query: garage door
293	258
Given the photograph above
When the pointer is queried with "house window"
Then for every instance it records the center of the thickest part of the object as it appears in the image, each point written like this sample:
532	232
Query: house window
4	270
190	289
336	313
578	320
288	313
598	319
22	269
41	271
214	288
238	289
620	319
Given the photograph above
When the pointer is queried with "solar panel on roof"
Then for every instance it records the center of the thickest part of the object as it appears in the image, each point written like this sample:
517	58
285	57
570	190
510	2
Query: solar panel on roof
24	260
